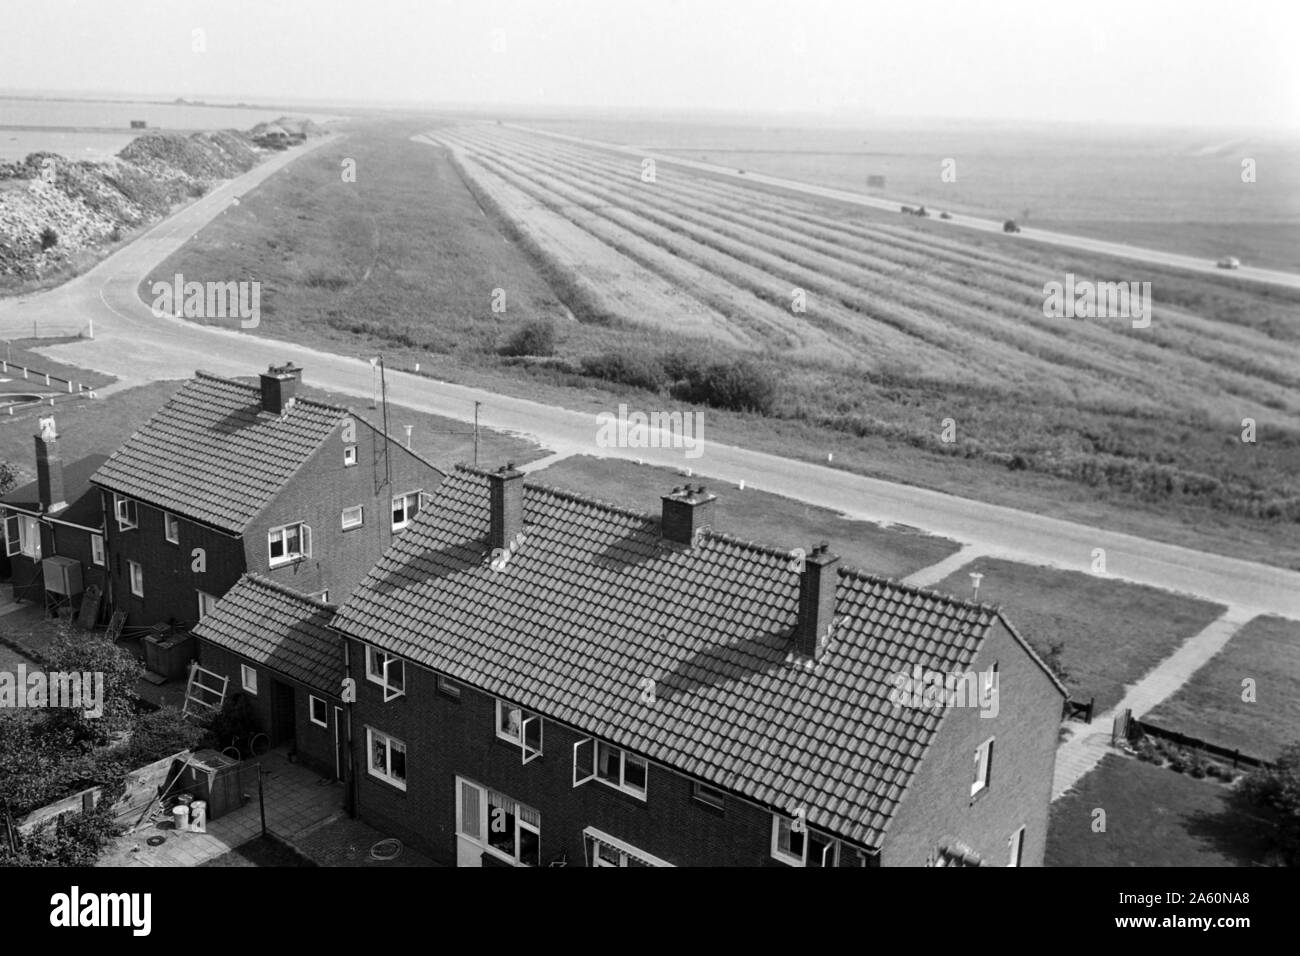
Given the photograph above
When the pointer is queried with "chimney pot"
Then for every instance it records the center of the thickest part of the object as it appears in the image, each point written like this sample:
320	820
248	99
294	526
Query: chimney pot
816	601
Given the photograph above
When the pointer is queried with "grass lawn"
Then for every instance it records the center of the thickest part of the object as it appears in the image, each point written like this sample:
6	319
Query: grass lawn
1114	632
1209	706
20	351
1154	817
262	851
754	515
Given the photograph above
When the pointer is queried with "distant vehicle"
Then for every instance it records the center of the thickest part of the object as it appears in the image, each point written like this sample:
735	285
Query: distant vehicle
945	215
1010	226
907	209
920	211
1229	262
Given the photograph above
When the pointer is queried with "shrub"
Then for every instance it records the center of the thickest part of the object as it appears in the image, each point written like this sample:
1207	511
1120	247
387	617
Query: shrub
49	238
535	338
639	370
1277	790
235	719
1055	651
739	386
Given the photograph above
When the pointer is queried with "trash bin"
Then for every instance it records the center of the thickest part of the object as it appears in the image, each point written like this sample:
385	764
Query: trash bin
181	815
199	816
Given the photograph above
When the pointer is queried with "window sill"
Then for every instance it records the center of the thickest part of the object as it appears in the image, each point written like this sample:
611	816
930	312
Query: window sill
399	787
355	527
978	795
712	808
285	562
640	798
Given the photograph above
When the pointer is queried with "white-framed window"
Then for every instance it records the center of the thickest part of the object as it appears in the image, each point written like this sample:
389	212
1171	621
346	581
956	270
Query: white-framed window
605	850
387	671
137	578
1017	842
387	760
793	842
171	527
353	517
124	509
321	595
23	536
983	767
708	796
405	508
291	542
448	687
97	549
498	824
318	710
206	604
520	727
349	455
248	678
613	766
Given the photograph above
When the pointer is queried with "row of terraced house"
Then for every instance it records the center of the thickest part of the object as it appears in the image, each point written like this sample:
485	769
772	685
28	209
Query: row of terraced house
505	674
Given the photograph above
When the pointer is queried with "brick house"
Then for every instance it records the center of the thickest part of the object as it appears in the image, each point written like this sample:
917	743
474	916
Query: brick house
545	678
230	477
54	528
275	647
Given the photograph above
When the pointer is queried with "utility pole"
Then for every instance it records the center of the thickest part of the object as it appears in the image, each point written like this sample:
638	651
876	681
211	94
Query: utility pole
476	405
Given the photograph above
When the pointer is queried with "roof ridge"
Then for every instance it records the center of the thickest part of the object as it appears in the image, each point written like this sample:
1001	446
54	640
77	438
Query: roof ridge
919	589
298	399
254	578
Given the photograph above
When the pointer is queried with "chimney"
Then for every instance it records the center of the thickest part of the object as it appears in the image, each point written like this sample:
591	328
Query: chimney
279	387
506	486
816	602
49	467
686	512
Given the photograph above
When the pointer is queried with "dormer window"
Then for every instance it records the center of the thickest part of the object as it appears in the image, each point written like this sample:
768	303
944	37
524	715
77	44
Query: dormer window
405	508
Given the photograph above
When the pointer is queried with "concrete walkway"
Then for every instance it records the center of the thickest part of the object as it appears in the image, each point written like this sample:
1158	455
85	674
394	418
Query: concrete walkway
1090	742
928	577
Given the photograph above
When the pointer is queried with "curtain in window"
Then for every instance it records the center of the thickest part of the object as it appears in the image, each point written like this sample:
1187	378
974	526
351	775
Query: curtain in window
469	810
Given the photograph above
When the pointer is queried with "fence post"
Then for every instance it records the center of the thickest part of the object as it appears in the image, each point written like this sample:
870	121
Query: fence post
91	329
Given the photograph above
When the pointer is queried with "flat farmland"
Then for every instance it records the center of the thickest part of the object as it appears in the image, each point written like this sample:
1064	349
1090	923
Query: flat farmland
889	325
1171	189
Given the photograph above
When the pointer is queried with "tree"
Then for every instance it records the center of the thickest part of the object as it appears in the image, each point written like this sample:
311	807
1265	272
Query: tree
49	238
1277	791
7	478
535	338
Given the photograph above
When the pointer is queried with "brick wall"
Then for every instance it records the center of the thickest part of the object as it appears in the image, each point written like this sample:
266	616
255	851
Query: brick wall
314	744
938	808
317	495
445	738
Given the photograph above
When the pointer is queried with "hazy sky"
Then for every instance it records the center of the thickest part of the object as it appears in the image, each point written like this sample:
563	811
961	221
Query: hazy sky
1201	62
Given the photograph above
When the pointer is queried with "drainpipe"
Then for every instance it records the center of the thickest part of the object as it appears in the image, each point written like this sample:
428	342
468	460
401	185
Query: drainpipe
349	774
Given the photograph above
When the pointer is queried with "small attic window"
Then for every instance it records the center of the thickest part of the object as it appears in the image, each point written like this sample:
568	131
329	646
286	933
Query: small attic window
349	455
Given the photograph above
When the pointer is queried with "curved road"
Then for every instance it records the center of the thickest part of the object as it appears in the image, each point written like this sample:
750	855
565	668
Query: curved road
1083	244
133	345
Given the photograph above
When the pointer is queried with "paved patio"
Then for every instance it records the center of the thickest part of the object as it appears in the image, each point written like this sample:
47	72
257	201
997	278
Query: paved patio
298	801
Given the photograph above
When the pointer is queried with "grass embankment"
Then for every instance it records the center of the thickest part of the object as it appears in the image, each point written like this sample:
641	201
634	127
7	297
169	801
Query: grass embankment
1112	632
405	261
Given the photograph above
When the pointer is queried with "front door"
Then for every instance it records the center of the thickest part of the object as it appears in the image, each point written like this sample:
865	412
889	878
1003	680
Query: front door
282	713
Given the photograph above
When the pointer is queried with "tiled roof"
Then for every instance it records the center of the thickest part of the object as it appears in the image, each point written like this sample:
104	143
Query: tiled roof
211	454
595	601
83	499
276	626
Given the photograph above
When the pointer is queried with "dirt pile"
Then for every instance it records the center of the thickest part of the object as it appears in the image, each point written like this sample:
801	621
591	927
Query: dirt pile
52	208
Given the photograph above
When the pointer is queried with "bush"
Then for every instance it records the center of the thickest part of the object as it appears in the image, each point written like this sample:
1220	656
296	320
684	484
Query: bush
535	338
638	371
739	386
1277	791
49	238
235	719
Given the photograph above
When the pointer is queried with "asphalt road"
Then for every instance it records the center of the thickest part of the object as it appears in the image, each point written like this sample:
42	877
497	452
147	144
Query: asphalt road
137	347
1121	250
